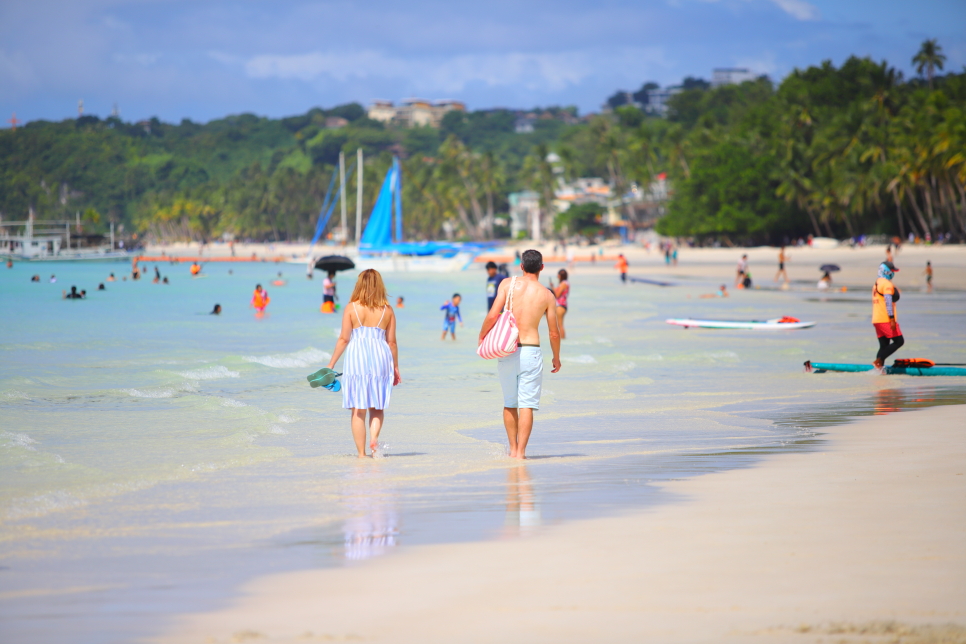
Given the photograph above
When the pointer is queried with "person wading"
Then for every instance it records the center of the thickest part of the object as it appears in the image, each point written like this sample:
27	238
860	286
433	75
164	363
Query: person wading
521	373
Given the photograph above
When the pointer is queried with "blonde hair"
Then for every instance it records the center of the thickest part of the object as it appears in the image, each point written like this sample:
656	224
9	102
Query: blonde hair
370	291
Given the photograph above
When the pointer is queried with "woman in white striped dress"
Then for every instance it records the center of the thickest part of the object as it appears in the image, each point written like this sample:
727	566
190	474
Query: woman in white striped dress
371	365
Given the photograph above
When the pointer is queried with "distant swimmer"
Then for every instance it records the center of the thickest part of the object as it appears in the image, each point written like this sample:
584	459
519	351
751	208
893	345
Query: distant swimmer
195	269
165	280
928	274
722	292
561	293
216	310
278	281
884	298
493	279
53	278
9	263
621	266
35	278
400	302
741	272
157	276
452	308
782	258
260	299
111	278
73	295
100	287
328	293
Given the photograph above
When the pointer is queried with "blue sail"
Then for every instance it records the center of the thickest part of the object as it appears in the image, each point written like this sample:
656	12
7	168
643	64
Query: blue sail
378	231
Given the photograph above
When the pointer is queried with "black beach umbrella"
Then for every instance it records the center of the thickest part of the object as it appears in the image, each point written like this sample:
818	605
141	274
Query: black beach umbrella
334	263
829	268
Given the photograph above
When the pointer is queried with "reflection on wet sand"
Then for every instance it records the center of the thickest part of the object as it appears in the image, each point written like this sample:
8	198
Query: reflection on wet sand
372	525
522	511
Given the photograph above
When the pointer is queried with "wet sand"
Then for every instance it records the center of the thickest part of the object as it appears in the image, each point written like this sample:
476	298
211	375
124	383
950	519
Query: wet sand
861	540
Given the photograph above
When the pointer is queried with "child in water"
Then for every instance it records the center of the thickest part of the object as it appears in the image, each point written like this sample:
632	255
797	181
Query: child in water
260	299
452	309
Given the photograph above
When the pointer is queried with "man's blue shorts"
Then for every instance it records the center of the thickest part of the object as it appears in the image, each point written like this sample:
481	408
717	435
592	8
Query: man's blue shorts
521	377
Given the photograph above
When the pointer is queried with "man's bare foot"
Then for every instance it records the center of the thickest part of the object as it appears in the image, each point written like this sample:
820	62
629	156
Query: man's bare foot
878	364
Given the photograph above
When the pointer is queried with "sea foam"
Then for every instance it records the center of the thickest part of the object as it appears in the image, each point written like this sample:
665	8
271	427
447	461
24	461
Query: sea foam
210	373
298	360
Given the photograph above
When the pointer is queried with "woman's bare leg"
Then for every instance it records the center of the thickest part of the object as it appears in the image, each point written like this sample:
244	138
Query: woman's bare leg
376	418
359	431
561	312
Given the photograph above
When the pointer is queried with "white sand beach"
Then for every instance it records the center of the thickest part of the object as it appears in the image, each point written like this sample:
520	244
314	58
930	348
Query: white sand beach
860	540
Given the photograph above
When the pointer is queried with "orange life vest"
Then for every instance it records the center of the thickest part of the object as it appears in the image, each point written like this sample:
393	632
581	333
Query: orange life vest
260	299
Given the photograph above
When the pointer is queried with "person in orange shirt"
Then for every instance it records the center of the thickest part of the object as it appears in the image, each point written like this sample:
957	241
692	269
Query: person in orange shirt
260	298
884	298
195	269
621	265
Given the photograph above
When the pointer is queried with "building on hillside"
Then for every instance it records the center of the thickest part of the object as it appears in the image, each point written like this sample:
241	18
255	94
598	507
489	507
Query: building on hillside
414	112
524	214
657	99
381	110
731	76
523	125
332	122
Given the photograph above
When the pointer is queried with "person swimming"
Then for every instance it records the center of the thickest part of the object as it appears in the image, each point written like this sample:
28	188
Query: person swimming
195	269
35	278
100	287
279	281
111	278
722	292
165	280
73	295
400	303
216	310
260	299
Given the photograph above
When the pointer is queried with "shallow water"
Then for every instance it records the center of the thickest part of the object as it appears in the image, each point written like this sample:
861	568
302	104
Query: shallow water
153	457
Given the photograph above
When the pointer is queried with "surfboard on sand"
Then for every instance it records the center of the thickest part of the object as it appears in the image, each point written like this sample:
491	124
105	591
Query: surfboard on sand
757	325
898	368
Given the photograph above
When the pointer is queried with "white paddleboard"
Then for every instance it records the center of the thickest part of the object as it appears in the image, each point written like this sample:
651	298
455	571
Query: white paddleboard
764	325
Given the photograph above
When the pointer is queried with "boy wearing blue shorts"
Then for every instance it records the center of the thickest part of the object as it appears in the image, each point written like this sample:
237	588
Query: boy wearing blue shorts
452	309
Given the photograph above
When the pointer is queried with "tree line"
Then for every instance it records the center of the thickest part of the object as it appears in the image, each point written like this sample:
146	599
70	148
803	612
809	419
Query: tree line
834	151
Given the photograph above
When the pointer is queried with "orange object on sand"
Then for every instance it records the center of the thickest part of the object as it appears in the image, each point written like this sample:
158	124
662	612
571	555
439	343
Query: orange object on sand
913	362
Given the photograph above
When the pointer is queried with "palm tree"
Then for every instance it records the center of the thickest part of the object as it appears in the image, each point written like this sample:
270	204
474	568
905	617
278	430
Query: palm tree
929	58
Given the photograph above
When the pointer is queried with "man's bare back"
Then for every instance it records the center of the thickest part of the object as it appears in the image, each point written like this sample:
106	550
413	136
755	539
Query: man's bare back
532	301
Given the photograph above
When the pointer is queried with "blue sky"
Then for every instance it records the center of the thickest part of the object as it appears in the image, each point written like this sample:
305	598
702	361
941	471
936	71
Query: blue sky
205	59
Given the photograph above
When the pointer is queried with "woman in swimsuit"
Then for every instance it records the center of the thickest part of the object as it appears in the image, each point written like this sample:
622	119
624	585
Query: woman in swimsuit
371	365
561	291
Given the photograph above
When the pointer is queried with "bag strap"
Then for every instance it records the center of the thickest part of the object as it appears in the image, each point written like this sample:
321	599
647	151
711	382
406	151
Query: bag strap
509	298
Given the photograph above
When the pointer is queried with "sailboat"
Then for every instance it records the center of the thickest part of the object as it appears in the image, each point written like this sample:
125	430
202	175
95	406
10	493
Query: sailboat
382	246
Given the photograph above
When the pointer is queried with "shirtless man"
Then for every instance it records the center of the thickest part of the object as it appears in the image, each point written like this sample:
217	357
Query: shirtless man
521	373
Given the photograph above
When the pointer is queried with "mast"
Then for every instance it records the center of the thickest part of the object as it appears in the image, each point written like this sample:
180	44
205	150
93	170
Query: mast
345	236
359	197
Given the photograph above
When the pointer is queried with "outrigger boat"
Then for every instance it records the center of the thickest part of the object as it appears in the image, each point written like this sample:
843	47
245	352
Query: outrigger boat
902	367
777	324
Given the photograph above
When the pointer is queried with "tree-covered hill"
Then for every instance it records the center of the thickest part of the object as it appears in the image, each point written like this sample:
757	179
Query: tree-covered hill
829	151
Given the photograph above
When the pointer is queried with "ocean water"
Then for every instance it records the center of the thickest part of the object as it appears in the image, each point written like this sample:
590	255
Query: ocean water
154	457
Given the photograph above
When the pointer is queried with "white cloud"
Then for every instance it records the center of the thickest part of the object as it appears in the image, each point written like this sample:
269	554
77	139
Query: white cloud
799	9
553	71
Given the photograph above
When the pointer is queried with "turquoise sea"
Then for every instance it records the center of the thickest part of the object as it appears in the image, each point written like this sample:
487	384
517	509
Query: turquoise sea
154	457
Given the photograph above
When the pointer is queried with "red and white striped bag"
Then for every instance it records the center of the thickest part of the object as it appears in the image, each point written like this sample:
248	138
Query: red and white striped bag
501	340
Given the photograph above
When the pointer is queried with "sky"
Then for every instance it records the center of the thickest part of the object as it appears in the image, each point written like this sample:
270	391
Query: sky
205	59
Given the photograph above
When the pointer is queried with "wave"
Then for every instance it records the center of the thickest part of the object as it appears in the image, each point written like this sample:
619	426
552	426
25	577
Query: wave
210	373
583	359
298	360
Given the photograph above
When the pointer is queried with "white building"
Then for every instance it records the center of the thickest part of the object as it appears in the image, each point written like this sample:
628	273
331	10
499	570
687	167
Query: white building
731	76
657	99
414	112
